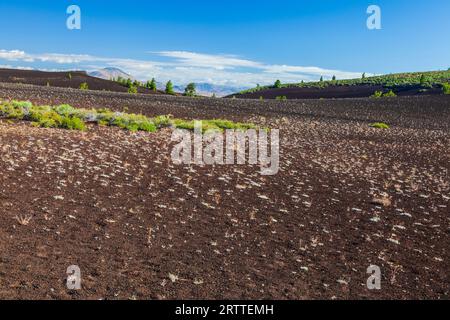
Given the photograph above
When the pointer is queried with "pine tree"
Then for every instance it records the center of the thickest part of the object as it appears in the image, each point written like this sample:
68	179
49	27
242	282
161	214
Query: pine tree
129	83
277	84
169	87
153	84
190	90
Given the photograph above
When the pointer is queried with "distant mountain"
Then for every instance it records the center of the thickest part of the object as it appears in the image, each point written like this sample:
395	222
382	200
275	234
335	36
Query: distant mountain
110	73
203	89
208	89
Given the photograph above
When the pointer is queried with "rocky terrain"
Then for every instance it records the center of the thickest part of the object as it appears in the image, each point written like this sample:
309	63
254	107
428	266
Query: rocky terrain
347	196
338	92
67	79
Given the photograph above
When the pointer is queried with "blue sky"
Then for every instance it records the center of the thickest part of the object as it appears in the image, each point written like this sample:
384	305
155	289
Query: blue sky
228	42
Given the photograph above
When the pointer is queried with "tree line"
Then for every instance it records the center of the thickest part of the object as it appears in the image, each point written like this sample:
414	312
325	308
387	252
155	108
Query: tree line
133	85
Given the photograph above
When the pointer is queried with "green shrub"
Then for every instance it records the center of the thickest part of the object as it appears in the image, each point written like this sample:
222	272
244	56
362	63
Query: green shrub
379	125
65	110
183	124
277	84
134	122
281	98
133	90
446	88
162	121
147	126
68	117
423	80
377	94
389	94
190	90
47	123
73	123
22	104
213	125
84	86
380	94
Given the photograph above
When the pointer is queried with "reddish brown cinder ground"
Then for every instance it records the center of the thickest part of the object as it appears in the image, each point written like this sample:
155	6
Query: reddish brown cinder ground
140	227
68	79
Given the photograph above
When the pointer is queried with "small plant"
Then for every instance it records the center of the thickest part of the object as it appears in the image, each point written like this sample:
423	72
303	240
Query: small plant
213	125
73	123
281	98
377	94
133	90
84	86
23	220
69	76
446	88
379	125
162	121
380	94
389	94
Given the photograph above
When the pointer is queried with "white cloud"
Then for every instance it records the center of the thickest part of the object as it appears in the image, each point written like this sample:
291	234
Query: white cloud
8	66
220	62
15	55
65	58
312	71
183	67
